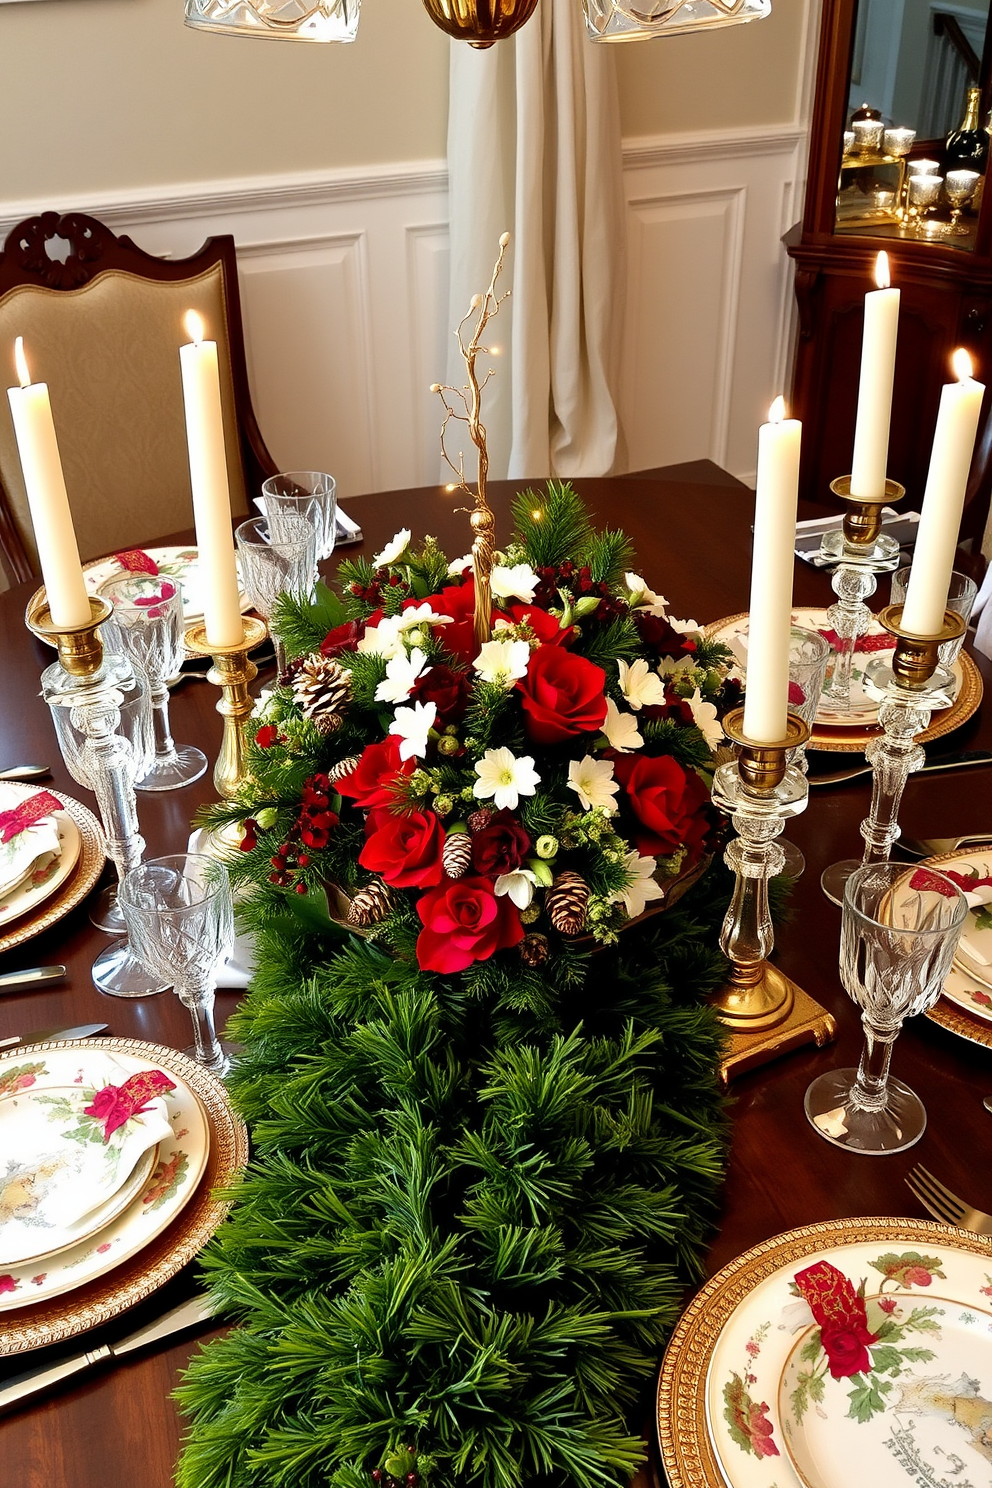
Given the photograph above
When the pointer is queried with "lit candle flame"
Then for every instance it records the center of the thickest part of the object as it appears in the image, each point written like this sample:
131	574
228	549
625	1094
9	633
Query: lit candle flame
777	411
961	362
194	326
882	277
21	362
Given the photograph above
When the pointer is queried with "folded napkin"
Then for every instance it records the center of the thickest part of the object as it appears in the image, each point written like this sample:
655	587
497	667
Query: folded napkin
239	968
29	838
69	1148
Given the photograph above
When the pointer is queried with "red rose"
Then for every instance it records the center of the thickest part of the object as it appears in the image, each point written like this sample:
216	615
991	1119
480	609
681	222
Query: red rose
458	601
917	1276
656	632
667	802
544	626
342	638
369	784
406	850
464	922
501	846
446	688
842	1316
563	695
846	1348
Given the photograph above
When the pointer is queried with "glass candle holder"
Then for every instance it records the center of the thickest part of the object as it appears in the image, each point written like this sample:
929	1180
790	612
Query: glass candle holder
898	142
959	188
960	598
868	136
923	167
923	194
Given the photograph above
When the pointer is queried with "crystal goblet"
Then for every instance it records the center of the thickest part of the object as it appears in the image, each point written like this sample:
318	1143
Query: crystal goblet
809	653
924	193
899	932
309	493
180	920
274	564
148	629
959	188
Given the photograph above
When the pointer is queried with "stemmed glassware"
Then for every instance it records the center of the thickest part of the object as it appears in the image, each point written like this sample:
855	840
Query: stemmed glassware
959	188
308	493
809	653
899	932
275	562
148	629
181	923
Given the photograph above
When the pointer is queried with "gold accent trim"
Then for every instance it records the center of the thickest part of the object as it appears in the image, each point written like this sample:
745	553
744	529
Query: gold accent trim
914	660
863	517
687	1453
232	671
80	647
106	1296
843	740
89	866
803	1021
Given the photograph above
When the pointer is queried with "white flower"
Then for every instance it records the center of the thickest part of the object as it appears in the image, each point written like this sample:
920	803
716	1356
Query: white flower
519	885
413	725
266	706
640	887
685	627
402	672
705	719
382	639
502	661
459	566
505	778
393	550
643	598
592	780
640	686
621	729
421	614
518	582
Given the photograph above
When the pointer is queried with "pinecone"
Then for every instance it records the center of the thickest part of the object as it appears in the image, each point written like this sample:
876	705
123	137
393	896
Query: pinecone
456	854
479	820
342	768
566	902
328	723
534	949
320	686
371	904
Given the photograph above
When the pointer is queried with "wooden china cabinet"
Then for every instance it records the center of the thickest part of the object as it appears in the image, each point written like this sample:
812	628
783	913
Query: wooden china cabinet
945	276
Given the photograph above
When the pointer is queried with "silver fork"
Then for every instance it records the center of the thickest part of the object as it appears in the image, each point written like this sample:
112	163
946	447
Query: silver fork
944	1205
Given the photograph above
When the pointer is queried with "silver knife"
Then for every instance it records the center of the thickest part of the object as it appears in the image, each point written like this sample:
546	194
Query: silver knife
188	1315
938	762
53	1035
11	979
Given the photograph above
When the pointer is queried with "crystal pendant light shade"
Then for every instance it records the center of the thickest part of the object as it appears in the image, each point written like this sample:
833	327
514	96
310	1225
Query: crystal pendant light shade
278	20
612	20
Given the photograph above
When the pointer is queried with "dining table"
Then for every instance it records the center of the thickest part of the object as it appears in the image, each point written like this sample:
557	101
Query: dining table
690	526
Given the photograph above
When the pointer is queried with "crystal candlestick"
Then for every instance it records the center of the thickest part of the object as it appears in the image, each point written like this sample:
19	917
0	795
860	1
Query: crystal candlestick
912	684
88	684
231	672
860	549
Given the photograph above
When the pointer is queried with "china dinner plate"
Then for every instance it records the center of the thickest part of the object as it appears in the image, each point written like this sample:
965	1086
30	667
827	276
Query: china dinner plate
171	1185
179	565
62	897
751	1395
43	882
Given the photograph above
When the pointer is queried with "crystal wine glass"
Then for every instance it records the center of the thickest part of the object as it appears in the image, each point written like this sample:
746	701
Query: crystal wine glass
148	630
181	923
309	493
809	653
276	563
899	932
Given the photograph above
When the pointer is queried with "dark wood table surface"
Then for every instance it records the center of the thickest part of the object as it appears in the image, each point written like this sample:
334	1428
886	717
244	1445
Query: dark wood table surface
691	530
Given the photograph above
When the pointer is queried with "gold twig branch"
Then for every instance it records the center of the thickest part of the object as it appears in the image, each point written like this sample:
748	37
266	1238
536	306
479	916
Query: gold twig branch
464	405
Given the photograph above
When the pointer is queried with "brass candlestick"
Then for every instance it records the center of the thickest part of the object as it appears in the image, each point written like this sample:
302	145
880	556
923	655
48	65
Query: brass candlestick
766	1011
231	672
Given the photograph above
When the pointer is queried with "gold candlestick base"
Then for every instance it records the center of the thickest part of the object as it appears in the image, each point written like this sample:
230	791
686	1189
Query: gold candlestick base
914	660
801	1021
231	672
863	517
80	649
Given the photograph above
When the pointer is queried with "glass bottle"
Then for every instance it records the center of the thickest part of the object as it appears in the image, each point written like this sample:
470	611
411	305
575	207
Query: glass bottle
967	147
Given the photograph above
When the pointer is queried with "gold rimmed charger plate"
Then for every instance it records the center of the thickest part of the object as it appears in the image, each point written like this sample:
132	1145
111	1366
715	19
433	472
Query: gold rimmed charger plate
687	1452
948	1014
73	891
106	1296
855	740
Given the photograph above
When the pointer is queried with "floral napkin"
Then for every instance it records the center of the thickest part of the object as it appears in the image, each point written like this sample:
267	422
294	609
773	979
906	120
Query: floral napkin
30	849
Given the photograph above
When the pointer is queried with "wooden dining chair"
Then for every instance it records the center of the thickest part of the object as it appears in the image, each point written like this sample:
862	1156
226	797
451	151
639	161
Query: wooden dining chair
102	323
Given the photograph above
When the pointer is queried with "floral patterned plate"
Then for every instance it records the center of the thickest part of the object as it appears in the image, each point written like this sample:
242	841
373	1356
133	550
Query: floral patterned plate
173	1181
857	1351
47	877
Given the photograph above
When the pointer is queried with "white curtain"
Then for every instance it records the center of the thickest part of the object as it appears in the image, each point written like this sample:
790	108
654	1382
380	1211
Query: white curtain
534	147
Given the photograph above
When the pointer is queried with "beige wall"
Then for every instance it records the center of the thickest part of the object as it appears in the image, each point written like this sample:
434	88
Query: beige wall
108	94
731	78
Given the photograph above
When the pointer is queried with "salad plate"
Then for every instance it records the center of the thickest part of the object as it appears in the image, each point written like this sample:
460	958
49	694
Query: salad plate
46	870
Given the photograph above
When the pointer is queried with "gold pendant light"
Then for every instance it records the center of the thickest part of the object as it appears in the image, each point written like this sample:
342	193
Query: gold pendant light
480	22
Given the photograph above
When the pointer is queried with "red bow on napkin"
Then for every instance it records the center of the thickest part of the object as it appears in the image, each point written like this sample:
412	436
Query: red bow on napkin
136	561
116	1104
27	813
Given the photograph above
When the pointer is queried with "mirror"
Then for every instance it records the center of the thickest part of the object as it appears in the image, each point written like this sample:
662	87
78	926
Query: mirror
916	145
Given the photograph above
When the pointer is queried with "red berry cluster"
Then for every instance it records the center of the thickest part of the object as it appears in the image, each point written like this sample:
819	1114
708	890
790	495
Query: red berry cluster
372	593
579	582
312	829
268	735
386	1480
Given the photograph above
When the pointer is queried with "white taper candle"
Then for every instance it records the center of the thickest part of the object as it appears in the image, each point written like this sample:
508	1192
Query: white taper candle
878	366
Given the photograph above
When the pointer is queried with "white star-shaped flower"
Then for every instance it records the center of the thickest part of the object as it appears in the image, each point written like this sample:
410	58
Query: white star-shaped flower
705	719
643	598
621	729
402	672
685	627
518	582
640	887
502	661
458	566
592	780
505	778
642	687
383	639
519	885
421	614
393	550
413	725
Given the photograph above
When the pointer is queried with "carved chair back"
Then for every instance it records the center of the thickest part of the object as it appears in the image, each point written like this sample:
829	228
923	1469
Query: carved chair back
102	322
